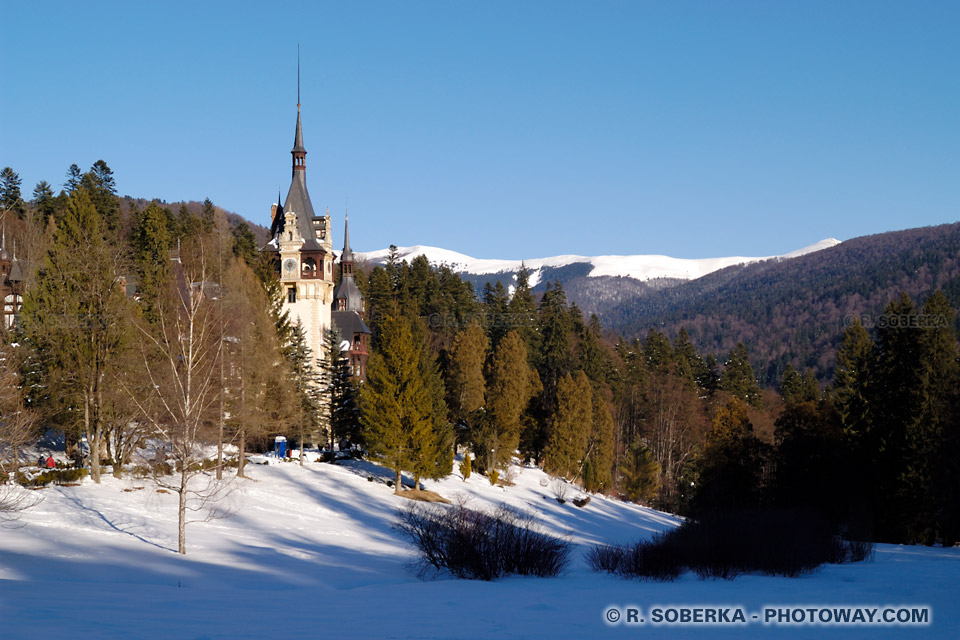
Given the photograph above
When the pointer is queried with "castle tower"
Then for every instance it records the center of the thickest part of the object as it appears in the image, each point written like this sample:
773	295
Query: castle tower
301	243
348	311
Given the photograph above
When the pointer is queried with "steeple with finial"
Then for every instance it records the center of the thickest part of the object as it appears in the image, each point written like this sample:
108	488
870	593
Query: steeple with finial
299	152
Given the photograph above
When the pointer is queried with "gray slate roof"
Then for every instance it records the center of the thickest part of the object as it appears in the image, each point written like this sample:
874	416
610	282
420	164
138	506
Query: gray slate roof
349	323
347	290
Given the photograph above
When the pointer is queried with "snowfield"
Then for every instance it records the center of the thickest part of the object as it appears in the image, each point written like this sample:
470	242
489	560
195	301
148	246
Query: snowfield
310	553
639	267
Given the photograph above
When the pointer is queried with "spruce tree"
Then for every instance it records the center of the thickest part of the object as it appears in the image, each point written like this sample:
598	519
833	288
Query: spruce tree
523	314
44	202
395	403
738	378
341	392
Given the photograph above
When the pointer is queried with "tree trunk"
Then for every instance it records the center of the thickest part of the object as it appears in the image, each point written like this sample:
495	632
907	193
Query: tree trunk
242	461
398	479
182	511
94	451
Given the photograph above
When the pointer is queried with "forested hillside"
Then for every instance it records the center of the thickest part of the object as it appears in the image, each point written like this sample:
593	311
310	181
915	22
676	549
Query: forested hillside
794	311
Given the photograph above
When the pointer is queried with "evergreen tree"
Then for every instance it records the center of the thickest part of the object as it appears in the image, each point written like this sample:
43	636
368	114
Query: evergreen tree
601	448
572	424
341	392
798	388
852	388
395	402
150	243
658	353
511	383
100	183
244	242
641	474
78	319
523	314
465	383
11	200
738	378
74	177
495	301
308	385
732	468
44	202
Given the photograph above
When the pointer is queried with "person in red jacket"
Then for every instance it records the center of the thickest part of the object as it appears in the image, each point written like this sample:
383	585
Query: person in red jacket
51	463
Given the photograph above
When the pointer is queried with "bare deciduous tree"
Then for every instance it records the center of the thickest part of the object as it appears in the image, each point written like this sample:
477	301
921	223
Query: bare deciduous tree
180	354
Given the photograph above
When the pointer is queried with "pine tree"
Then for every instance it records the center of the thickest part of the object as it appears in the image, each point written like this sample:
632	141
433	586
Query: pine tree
11	200
74	176
465	469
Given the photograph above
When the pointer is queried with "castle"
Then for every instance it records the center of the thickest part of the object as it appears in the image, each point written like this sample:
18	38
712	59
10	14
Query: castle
302	247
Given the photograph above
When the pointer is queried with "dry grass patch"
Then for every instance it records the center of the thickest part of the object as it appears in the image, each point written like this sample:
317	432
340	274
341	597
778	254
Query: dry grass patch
423	495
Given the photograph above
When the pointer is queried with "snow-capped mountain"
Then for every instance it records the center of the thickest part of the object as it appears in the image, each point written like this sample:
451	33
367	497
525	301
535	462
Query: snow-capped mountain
637	267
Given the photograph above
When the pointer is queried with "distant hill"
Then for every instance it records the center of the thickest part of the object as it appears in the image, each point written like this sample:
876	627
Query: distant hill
794	311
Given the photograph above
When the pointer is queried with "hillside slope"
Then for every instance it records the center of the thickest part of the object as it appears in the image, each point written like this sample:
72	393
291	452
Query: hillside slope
310	552
796	310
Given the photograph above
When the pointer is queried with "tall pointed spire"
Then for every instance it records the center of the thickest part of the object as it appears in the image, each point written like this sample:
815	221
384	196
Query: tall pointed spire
299	151
346	236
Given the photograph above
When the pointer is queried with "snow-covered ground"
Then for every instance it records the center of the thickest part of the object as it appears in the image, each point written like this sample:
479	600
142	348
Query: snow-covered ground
640	267
310	553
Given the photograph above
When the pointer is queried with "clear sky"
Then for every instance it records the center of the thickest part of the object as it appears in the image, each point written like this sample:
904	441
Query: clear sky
507	129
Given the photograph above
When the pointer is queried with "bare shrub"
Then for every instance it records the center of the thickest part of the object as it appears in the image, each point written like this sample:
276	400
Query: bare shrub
480	546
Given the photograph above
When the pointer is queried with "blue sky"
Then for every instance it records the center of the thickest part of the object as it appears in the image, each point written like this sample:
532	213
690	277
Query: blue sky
507	129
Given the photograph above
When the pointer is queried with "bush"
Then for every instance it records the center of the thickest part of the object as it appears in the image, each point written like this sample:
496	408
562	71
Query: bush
724	545
582	502
465	468
605	557
59	477
493	476
480	546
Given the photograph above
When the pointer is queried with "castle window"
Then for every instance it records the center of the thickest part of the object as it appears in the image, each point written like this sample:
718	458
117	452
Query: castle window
310	267
292	295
